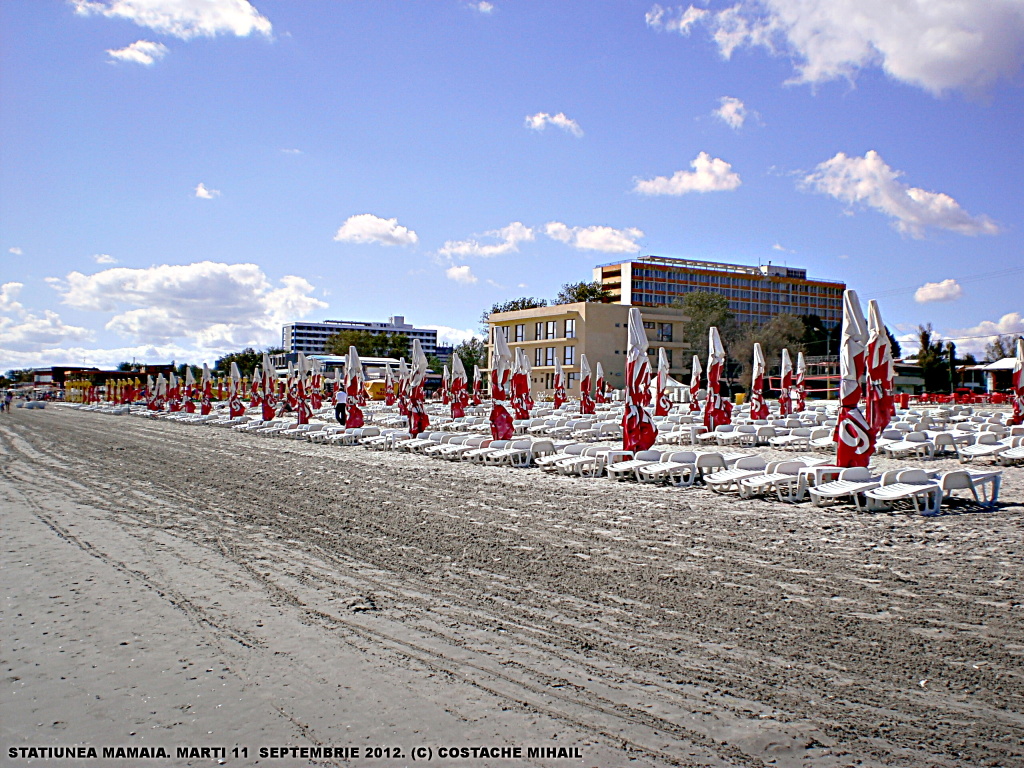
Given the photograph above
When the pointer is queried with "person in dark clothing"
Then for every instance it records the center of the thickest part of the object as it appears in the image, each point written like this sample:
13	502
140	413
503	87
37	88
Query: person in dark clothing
340	400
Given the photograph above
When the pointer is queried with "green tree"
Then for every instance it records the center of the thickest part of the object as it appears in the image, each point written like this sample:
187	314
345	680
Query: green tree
572	293
704	309
368	343
473	352
781	332
247	361
932	358
512	305
1001	346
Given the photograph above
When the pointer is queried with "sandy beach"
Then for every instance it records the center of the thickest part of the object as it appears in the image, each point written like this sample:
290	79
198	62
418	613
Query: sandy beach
173	586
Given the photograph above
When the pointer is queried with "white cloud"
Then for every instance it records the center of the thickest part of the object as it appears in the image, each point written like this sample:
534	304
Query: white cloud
595	238
674	19
206	194
104	357
31	331
367	228
974	340
947	290
482	6
784	249
732	112
541	120
183	18
215	305
15	250
292	151
454	336
708	175
9	293
104	258
141	52
869	181
937	46
509	238
460	274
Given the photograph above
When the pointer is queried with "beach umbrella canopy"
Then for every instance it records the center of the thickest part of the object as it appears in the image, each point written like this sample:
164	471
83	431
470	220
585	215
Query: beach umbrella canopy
446	386
600	386
717	410
355	388
478	384
638	432
459	388
854	439
207	394
418	419
881	373
520	387
501	421
256	388
662	404
173	393
695	372
1017	382
402	387
316	384
786	385
302	409
269	400
235	407
389	386
586	401
161	391
559	382
528	370
758	405
799	388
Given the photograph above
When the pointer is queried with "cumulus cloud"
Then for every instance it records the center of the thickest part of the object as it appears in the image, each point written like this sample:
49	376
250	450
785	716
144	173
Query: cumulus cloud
595	238
103	357
184	19
292	151
15	250
367	228
937	46
206	194
708	175
869	181
732	112
9	293
460	274
973	340
947	290
674	19
31	331
508	242
215	305
104	258
482	6
141	52
454	336
541	120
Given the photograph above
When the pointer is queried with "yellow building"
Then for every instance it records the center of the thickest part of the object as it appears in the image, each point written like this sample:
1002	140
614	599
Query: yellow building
566	331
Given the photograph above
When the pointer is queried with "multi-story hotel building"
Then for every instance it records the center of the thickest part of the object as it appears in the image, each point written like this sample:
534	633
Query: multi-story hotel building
311	338
756	294
566	331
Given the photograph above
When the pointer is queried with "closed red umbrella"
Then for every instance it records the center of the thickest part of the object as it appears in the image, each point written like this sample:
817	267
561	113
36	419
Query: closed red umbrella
559	382
173	394
302	409
205	406
662	403
600	388
717	410
355	388
418	419
854	439
695	372
389	386
1017	382
501	421
446	386
786	385
402	387
586	401
478	385
799	387
881	372
520	394
638	432
235	407
459	388
758	405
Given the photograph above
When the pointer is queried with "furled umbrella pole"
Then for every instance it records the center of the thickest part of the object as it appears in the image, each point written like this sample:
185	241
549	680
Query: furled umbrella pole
758	405
586	400
501	420
638	431
854	439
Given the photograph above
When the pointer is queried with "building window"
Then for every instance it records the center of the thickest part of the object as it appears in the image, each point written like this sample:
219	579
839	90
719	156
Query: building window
549	356
570	329
550	330
536	356
569	356
664	331
520	333
648	325
570	380
538	329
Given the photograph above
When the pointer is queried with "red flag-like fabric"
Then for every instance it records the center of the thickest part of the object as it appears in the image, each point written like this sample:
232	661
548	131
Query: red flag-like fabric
758	405
1017	381
501	421
586	401
638	431
854	439
717	410
881	372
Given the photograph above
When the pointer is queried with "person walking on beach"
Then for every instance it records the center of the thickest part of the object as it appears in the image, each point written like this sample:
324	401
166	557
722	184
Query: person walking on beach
7	401
340	400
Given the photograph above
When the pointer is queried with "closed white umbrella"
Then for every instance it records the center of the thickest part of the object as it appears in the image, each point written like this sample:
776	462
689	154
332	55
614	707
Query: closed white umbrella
638	432
758	406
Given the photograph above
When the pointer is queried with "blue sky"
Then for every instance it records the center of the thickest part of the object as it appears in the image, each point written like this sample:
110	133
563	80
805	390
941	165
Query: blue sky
181	177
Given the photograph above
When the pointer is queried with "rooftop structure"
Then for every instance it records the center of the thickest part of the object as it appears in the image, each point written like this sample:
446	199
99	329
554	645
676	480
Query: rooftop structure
756	294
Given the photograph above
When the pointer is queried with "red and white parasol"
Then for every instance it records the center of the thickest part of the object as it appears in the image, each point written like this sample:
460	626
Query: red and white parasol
638	432
1017	382
559	382
520	386
786	385
695	372
799	388
459	388
302	409
418	419
586	400
269	387
881	372
501	421
662	404
717	410
478	384
355	389
854	439
206	395
389	386
758	405
235	407
600	388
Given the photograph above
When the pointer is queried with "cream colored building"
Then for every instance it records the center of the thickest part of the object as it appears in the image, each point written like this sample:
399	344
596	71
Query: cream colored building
567	331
